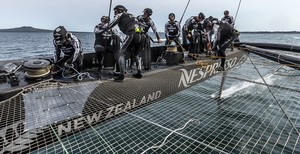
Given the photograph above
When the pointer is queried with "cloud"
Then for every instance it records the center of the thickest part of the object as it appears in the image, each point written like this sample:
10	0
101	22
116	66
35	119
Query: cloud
80	15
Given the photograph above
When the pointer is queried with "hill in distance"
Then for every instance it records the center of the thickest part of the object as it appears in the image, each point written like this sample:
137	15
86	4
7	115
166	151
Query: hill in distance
25	29
32	29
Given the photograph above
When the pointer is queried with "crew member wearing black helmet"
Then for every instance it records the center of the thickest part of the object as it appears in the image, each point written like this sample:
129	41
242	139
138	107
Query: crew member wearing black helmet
225	35
109	41
228	18
70	45
172	30
193	23
129	26
145	22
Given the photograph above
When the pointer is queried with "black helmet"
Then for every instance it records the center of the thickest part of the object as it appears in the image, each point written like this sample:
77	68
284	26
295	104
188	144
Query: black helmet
201	15
105	19
148	11
171	14
59	34
206	23
120	8
211	19
226	12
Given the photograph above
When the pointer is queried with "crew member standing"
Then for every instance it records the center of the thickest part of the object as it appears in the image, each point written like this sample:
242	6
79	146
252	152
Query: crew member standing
129	26
108	41
172	30
145	22
228	18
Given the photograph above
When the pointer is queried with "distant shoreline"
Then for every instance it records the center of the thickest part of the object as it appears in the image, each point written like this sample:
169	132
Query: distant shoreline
25	29
273	32
32	29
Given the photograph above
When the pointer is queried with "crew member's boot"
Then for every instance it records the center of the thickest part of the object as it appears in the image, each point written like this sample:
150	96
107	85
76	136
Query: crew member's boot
121	77
138	75
121	63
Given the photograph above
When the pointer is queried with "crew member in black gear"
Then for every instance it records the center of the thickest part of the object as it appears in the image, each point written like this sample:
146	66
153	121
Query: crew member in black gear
70	45
211	37
225	36
228	18
145	22
193	23
108	41
129	26
172	30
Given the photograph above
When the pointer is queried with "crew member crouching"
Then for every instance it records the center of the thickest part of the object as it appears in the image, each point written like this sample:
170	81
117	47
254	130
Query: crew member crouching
225	36
70	45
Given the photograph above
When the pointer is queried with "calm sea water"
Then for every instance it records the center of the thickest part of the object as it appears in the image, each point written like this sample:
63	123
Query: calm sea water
15	45
241	99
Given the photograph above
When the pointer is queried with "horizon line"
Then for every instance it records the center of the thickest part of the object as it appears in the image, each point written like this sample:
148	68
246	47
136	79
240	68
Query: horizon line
248	31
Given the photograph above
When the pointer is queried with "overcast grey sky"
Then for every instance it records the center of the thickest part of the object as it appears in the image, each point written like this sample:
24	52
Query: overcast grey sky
83	15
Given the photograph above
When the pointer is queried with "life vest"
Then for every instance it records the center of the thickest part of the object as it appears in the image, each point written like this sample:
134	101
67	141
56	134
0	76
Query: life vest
172	28
103	38
195	25
67	49
71	48
228	19
144	24
127	22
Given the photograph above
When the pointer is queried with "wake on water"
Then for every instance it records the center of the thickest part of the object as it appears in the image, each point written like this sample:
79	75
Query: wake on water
242	86
296	37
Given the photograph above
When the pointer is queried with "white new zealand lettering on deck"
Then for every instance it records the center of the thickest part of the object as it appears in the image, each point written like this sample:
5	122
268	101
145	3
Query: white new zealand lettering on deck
111	112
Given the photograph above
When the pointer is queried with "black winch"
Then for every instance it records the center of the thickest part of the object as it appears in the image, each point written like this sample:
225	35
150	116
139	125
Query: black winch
172	56
37	69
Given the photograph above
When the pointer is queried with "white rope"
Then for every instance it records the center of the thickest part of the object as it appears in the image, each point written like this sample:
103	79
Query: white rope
78	74
177	133
164	142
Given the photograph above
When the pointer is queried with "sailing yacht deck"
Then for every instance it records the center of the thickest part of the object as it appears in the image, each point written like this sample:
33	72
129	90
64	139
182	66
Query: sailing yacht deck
178	109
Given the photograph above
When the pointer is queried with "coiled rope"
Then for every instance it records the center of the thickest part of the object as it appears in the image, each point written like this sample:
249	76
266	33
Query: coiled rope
78	74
